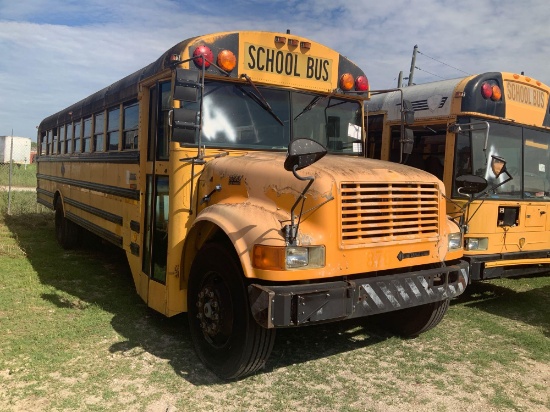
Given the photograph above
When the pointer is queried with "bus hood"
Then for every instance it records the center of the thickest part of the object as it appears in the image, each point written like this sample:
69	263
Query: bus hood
260	174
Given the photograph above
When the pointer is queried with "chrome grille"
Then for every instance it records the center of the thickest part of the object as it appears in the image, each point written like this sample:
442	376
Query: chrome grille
382	212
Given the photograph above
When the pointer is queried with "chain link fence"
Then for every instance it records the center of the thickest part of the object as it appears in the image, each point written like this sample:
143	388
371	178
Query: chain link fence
17	176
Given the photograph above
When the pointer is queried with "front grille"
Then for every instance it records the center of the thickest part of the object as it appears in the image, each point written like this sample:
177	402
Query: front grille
382	212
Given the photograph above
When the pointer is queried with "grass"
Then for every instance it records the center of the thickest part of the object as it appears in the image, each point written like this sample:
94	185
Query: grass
22	175
75	336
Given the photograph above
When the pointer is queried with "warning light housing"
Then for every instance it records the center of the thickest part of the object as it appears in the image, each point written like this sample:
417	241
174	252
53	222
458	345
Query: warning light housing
491	90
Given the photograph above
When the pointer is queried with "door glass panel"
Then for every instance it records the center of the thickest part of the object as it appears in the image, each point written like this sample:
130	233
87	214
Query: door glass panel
156	228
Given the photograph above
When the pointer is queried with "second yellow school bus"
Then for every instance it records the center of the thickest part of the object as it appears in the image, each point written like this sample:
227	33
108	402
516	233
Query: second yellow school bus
209	167
460	126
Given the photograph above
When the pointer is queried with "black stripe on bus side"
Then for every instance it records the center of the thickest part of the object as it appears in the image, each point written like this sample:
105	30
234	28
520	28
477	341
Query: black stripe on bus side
130	157
44	192
44	203
134	226
134	248
111	190
111	217
101	232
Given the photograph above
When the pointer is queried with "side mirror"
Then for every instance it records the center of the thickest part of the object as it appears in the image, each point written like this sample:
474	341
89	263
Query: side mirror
408	112
185	122
408	141
303	153
498	165
185	125
470	184
186	85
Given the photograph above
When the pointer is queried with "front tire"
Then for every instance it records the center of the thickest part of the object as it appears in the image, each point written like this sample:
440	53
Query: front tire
226	337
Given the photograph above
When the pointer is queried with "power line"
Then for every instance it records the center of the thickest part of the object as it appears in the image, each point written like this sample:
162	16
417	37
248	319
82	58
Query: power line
418	51
433	74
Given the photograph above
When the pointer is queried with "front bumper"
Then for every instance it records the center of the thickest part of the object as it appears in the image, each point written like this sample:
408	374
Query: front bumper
297	305
508	264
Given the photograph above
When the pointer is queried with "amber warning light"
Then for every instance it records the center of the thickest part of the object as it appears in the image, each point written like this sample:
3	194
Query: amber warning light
347	82
491	91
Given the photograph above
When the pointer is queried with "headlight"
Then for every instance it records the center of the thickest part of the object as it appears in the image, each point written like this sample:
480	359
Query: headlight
455	240
288	257
477	243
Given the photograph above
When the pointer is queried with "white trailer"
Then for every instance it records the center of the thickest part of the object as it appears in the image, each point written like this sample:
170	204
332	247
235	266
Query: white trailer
20	153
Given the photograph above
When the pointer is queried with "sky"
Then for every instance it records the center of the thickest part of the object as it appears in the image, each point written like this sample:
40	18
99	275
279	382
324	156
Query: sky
56	52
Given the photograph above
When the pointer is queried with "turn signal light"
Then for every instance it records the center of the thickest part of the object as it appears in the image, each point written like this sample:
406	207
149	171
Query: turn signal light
497	93
227	60
346	82
203	54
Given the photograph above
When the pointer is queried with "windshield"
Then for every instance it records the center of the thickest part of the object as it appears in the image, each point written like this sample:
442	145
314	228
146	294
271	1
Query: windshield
525	150
234	115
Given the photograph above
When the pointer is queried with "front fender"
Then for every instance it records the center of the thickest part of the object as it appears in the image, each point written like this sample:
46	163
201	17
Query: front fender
244	224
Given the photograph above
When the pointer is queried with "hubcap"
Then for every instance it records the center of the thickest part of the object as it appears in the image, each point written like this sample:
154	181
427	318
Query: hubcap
209	312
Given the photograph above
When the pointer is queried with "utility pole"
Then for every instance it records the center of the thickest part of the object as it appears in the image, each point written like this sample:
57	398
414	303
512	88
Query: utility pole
413	63
400	80
10	174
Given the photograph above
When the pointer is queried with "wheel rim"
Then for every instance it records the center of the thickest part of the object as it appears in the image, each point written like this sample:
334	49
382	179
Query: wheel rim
215	310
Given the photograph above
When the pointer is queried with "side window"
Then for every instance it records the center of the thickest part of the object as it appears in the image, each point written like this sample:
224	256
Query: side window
86	137
43	143
77	130
55	142
69	139
130	126
163	129
61	140
113	126
99	127
49	142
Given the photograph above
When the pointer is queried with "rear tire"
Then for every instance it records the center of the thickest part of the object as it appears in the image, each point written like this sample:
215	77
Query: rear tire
411	322
67	232
226	337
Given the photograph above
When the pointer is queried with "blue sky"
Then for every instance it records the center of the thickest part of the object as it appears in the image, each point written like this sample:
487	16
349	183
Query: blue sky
55	52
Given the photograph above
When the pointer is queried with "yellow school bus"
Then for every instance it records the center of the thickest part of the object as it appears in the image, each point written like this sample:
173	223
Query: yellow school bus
232	172
460	126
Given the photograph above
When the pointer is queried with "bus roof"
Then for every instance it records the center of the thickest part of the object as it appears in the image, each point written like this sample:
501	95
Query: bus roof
522	99
127	88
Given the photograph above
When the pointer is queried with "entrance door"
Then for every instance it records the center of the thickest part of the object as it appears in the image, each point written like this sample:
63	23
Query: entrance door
155	242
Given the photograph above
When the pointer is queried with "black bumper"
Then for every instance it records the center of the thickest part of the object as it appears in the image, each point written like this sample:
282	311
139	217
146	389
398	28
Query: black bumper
297	305
478	271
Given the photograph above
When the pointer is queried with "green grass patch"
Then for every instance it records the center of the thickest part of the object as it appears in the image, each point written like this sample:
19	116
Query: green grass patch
75	336
21	175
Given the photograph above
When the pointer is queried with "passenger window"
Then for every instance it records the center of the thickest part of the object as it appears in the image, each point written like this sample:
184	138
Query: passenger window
99	127
130	126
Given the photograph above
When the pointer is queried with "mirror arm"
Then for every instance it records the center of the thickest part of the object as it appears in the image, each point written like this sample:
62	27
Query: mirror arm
291	231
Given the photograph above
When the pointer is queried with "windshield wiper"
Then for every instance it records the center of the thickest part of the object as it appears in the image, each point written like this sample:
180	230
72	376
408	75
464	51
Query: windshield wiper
260	99
310	105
